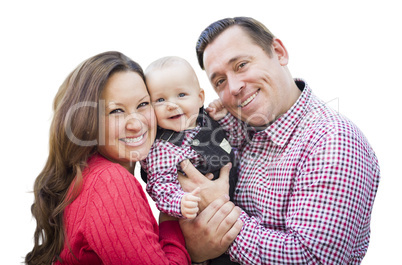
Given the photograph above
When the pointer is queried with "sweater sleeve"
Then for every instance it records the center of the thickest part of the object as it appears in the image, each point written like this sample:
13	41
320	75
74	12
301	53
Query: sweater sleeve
120	226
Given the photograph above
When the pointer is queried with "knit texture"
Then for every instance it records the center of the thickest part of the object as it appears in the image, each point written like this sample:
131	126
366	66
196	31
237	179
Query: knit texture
110	222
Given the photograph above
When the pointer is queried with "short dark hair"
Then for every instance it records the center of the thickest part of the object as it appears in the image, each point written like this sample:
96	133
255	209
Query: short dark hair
255	29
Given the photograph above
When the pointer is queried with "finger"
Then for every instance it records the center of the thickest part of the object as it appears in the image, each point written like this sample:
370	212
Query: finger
209	176
190	170
190	204
211	210
224	172
196	192
219	221
233	214
210	109
231	235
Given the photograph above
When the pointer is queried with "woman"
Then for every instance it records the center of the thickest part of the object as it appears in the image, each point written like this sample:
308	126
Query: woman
89	207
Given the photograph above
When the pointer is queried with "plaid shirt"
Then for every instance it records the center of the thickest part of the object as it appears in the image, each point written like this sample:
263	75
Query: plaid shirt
162	165
306	185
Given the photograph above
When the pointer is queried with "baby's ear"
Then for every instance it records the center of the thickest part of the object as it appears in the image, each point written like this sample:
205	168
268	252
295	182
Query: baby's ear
202	97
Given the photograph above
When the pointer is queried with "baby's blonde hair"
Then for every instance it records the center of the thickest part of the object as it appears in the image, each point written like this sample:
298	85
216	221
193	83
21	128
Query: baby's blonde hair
169	61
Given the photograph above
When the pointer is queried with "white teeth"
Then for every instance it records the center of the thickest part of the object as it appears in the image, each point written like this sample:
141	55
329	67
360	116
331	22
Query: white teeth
249	99
133	140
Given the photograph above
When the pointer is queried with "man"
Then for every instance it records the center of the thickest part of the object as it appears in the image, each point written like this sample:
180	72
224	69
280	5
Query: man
307	175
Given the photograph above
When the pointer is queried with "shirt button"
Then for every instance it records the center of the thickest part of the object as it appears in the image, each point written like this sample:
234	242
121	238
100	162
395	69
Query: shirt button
195	142
237	191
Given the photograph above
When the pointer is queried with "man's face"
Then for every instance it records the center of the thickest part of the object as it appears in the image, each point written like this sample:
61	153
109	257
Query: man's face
252	85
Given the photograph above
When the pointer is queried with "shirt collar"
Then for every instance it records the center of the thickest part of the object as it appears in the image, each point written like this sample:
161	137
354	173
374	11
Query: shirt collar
280	131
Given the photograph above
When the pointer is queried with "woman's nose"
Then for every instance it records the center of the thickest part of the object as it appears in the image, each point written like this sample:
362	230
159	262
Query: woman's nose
133	122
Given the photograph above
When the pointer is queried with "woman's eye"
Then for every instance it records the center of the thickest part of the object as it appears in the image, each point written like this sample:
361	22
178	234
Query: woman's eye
116	111
181	95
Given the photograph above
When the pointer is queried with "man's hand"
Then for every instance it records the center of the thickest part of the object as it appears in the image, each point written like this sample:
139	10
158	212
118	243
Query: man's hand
210	190
216	110
209	235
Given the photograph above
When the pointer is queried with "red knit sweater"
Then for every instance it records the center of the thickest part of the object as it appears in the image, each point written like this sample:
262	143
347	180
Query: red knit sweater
110	222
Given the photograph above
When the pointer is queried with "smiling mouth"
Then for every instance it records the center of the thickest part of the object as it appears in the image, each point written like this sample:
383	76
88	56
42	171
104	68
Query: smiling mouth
176	116
132	139
247	101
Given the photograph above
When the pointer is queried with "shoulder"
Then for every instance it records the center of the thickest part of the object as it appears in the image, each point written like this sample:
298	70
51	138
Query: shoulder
323	125
103	174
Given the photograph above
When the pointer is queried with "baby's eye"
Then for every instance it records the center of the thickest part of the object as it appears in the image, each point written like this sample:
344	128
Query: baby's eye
181	95
160	100
116	111
143	104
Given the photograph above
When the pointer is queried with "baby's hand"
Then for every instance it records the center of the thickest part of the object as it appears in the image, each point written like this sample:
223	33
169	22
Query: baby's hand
189	204
216	110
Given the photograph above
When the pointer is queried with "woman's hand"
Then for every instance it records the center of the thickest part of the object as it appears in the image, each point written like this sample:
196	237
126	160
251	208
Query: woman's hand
209	235
210	190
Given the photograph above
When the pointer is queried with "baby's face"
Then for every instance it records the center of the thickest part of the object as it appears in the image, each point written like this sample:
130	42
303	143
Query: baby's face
176	97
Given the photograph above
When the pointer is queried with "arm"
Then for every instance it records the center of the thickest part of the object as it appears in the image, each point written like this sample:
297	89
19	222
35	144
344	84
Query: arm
121	227
328	212
163	186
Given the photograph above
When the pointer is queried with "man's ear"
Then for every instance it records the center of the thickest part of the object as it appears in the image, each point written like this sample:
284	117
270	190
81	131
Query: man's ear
280	51
201	95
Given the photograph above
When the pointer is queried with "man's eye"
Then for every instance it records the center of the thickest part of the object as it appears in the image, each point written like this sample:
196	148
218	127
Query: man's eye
242	65
219	82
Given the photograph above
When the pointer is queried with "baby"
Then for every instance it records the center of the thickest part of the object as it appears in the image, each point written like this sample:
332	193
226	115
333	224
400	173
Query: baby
185	131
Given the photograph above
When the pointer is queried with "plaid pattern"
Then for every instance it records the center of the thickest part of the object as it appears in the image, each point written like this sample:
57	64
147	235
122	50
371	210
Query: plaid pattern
306	185
162	165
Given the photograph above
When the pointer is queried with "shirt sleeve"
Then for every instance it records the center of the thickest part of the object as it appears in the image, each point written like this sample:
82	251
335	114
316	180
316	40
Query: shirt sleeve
328	211
163	186
121	228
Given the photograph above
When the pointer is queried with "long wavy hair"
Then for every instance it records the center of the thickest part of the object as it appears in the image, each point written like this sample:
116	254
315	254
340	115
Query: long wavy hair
73	139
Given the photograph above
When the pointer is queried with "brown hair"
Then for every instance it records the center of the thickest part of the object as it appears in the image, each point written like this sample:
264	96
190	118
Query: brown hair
73	139
255	30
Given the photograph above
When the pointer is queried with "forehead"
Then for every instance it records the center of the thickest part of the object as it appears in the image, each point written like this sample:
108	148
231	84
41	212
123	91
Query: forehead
176	75
122	85
230	45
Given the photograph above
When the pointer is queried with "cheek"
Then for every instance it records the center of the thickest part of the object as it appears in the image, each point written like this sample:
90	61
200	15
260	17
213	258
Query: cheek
150	121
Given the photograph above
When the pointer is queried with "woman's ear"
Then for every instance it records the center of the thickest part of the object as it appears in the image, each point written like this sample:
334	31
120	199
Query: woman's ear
280	51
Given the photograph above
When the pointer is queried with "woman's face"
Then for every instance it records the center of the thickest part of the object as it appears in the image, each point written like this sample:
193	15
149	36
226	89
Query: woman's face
127	120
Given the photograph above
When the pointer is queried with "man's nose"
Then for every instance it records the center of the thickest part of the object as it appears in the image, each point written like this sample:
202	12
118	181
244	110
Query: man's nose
236	84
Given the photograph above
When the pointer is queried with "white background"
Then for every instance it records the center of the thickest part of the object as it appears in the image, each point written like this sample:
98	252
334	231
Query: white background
348	51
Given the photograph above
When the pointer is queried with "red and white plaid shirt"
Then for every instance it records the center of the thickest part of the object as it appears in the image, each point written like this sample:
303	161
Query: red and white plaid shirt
306	186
